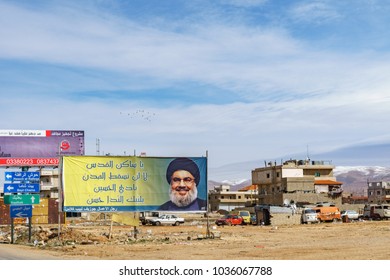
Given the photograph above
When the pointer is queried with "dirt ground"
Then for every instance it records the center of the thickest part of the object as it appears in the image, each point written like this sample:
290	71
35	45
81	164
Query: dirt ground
364	240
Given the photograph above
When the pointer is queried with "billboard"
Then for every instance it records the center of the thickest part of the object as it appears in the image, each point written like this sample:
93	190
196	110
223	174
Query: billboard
131	183
38	147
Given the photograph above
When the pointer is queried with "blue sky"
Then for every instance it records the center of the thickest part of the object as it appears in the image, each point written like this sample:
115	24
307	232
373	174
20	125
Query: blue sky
244	80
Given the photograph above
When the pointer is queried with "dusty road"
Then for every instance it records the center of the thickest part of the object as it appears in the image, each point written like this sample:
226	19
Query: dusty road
331	241
20	252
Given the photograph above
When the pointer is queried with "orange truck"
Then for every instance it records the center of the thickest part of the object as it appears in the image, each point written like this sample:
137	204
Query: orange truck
328	213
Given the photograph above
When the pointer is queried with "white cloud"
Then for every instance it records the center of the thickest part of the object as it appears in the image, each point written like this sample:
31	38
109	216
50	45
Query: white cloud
290	93
315	11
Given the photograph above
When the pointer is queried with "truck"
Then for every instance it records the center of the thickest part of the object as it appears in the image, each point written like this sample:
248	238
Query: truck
328	213
376	211
146	217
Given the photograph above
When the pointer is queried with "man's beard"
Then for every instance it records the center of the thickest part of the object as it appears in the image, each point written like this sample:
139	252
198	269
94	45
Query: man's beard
183	200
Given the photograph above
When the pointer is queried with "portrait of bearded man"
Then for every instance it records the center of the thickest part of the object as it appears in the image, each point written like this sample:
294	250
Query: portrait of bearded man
183	176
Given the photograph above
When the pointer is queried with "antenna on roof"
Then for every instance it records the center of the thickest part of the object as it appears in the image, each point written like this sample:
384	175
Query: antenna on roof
307	152
307	155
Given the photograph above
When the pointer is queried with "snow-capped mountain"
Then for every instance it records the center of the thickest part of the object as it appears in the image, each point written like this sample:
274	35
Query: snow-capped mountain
234	185
355	178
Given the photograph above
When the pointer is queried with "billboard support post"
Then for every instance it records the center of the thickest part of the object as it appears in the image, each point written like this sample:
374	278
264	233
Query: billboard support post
26	168
12	230
59	196
29	229
207	199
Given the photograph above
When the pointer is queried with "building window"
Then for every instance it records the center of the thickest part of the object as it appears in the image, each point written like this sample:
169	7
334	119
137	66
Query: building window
317	174
268	175
277	174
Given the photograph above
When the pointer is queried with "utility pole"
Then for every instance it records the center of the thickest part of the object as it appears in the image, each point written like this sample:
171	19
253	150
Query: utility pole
97	146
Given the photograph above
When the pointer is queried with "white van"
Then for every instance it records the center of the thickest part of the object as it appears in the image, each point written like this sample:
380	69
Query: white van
377	211
309	216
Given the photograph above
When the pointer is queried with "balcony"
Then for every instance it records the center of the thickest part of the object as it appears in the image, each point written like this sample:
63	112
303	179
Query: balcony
335	191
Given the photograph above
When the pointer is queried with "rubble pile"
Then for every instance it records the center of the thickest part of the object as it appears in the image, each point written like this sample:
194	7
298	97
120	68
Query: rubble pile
49	236
92	234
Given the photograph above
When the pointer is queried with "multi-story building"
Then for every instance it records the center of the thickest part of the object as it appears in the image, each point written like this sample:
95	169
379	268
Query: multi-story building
49	183
298	181
378	192
222	198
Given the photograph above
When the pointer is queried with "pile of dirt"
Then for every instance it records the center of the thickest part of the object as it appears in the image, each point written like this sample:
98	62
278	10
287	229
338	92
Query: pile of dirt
97	233
332	241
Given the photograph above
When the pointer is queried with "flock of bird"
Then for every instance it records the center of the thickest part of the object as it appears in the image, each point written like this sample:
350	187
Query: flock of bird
140	114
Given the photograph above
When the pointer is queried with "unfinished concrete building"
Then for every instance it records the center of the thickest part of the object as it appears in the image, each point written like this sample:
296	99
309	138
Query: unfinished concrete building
302	182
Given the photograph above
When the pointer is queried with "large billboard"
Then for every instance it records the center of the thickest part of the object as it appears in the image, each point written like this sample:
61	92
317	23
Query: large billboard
111	184
38	147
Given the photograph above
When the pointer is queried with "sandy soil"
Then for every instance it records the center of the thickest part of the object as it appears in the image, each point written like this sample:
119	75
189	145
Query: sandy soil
332	241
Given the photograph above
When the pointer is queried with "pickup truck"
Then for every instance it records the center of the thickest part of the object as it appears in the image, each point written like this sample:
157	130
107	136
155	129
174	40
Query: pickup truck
146	217
167	219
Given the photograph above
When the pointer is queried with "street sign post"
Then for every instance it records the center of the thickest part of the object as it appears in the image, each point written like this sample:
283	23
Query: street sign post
21	199
21	211
21	188
22	184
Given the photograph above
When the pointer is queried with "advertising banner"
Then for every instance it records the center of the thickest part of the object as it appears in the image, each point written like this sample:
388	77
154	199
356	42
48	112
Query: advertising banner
38	147
130	219
112	184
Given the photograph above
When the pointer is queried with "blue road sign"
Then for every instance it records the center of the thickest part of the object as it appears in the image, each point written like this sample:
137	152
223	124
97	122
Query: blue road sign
21	211
24	176
21	188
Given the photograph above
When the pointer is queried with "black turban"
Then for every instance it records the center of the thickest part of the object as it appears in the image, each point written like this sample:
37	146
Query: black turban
183	164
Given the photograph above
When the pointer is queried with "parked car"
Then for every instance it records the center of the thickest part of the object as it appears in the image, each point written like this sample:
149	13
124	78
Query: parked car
246	216
167	220
229	220
309	216
351	214
253	219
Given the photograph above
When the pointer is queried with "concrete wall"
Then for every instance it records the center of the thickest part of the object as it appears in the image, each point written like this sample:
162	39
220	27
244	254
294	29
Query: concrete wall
279	219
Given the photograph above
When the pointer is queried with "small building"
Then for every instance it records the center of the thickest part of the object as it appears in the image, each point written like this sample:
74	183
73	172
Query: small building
349	198
222	198
378	192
